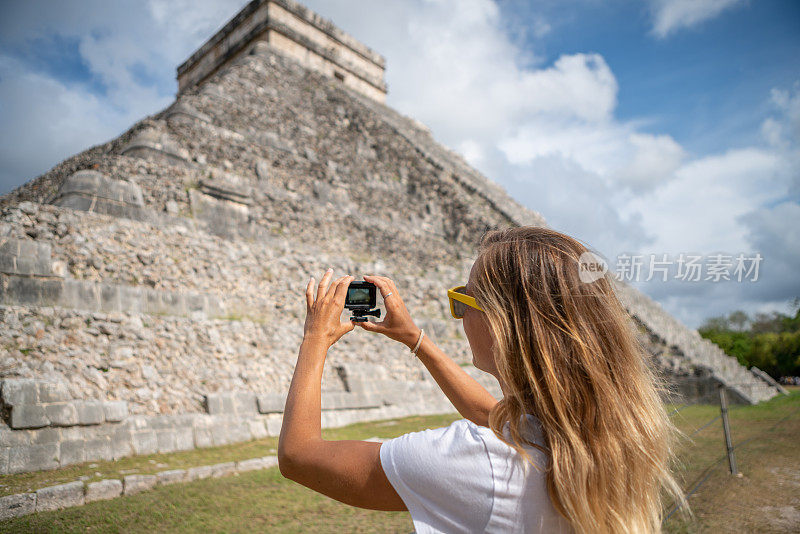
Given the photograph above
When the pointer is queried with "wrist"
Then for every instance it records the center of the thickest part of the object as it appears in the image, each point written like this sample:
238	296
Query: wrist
315	342
412	338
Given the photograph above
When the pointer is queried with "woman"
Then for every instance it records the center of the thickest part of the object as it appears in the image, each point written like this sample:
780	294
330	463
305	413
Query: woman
579	442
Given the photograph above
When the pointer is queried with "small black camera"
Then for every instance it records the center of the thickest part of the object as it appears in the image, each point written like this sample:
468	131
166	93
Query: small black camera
361	298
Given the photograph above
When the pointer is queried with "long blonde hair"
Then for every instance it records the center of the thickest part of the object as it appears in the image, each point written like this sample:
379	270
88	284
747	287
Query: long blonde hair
568	353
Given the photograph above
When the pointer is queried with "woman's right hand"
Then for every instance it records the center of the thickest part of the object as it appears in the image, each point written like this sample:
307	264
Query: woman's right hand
397	324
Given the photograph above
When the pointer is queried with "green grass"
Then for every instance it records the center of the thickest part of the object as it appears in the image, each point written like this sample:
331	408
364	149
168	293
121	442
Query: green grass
153	463
260	500
767	454
265	501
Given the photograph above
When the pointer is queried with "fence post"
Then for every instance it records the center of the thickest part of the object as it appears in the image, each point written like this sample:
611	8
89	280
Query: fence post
726	427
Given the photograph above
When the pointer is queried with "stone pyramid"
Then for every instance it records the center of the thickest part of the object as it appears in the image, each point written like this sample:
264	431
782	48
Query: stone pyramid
151	288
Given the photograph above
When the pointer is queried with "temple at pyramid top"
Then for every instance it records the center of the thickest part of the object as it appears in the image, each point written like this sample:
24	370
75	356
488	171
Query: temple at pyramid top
296	31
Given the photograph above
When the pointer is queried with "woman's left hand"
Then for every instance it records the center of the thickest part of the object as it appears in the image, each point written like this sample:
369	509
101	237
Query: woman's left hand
323	312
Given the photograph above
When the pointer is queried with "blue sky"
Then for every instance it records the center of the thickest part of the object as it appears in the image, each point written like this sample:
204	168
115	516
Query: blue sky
652	126
693	84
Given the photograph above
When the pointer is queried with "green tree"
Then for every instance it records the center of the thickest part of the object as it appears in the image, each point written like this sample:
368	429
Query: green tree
738	320
769	341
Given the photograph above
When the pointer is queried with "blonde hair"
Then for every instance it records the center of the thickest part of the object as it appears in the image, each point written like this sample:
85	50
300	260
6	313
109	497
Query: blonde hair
568	353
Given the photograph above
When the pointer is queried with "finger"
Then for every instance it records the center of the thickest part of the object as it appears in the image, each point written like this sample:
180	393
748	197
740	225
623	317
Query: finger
389	283
380	282
323	284
347	326
341	290
310	294
387	286
330	295
371	327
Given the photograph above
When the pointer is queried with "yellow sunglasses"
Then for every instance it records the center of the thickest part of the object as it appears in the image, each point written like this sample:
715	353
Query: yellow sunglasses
459	300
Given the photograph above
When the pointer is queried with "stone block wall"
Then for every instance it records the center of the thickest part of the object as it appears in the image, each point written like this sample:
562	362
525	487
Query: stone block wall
710	363
34	404
54	430
26	258
299	33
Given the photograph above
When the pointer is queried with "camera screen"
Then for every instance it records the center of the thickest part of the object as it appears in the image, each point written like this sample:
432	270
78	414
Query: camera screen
358	295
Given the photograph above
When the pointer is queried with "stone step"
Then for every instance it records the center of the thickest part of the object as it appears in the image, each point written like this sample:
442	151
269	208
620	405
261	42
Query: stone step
701	352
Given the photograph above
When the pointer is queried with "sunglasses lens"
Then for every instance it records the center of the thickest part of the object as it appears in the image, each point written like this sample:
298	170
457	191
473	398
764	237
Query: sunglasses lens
459	308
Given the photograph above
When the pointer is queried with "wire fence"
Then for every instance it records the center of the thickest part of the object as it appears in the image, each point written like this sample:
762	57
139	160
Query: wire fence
730	448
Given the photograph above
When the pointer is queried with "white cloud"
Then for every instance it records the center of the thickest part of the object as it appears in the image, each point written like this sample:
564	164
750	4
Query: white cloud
45	121
697	211
578	85
472	152
671	15
784	131
592	146
776	230
615	152
45	118
741	201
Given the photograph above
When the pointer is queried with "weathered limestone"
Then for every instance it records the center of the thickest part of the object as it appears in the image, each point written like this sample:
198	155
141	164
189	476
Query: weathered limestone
115	411
61	496
271	403
172	476
227	187
298	32
182	109
254	464
49	448
103	490
79	294
223	469
134	484
60	414
231	403
36	403
159	146
33	457
26	258
18	505
74	493
89	190
198	473
227	217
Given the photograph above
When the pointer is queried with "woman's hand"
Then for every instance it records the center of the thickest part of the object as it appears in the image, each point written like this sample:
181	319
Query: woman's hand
397	324
323	312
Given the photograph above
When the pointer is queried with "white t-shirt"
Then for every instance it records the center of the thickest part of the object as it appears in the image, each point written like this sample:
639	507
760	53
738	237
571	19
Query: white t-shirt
462	478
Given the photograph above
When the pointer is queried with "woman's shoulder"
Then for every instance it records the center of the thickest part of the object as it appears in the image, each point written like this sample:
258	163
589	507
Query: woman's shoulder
530	428
438	455
463	437
461	433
